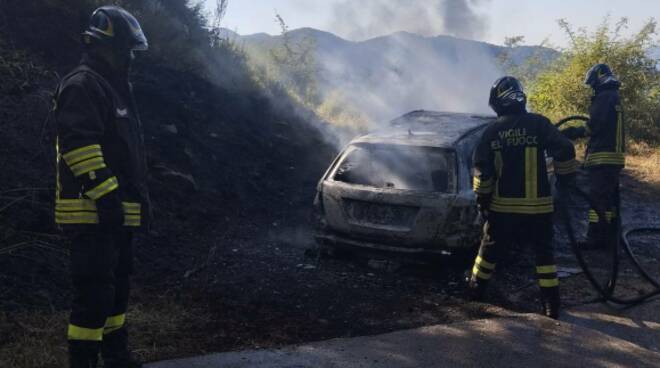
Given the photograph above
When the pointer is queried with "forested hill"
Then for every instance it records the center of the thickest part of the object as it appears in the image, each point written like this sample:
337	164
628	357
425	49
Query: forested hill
445	47
389	75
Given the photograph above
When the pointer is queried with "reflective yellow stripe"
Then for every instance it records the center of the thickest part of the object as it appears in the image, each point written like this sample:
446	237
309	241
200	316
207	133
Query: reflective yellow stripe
606	155
524	210
528	206
83	211
512	201
131	208
87	334
82	154
482	275
68	205
90	205
71	218
103	188
531	172
86	157
132	220
482	186
546	269
594	218
605	158
547	283
132	212
565	167
485	264
84	167
502	93
114	323
76	218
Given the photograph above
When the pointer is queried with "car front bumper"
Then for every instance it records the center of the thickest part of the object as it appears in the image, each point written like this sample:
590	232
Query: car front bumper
342	242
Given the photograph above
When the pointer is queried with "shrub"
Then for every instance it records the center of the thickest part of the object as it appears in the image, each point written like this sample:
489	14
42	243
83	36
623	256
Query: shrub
559	90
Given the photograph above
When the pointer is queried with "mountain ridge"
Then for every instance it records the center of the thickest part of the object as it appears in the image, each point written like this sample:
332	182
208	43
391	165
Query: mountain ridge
227	33
389	75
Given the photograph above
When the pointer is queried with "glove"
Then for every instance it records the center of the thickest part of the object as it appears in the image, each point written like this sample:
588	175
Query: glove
573	133
110	210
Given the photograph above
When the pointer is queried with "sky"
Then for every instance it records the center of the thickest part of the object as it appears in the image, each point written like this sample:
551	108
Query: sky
494	19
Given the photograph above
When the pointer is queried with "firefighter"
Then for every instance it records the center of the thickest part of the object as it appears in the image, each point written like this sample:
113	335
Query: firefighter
605	156
101	193
513	190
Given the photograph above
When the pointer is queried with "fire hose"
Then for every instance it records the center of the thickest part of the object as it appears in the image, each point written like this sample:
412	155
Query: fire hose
606	292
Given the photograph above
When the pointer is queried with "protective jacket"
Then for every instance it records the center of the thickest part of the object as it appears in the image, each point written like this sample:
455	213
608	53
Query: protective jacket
605	129
100	146
510	163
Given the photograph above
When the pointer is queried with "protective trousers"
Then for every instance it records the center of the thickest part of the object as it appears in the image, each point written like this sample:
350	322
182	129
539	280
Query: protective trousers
500	231
101	263
603	191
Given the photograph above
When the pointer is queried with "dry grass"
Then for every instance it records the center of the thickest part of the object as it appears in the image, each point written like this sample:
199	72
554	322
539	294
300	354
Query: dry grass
31	340
160	328
643	163
163	328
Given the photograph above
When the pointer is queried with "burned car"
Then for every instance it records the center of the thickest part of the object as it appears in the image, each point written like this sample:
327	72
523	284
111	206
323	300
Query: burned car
404	189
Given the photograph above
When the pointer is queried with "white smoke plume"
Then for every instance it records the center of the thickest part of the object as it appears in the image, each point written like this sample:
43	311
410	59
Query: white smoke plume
364	19
384	77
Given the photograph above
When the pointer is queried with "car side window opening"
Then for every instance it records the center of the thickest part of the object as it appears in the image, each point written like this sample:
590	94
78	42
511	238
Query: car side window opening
397	167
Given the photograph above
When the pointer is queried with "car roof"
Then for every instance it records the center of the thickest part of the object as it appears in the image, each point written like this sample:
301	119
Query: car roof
428	128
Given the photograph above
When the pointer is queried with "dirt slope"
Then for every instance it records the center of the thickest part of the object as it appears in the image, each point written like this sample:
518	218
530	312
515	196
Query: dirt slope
221	154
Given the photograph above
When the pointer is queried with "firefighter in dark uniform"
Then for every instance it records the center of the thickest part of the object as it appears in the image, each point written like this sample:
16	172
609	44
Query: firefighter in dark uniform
101	194
513	190
605	156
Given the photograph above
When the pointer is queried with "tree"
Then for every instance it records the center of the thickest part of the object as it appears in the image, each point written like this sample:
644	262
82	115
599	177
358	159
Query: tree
295	65
525	63
506	57
216	25
559	90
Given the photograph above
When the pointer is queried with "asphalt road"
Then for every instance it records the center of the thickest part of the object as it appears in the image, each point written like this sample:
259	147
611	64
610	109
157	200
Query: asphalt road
589	336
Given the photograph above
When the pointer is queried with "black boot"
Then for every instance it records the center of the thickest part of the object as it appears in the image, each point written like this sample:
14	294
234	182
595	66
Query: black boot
550	302
115	353
83	354
476	289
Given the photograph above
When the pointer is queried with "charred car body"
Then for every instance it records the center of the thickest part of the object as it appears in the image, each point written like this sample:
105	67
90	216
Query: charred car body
405	189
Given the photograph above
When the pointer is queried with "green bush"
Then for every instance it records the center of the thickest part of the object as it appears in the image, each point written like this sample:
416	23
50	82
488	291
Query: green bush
559	90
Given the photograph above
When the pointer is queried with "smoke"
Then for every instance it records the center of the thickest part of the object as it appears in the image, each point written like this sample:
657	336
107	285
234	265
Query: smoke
460	19
406	60
360	20
385	76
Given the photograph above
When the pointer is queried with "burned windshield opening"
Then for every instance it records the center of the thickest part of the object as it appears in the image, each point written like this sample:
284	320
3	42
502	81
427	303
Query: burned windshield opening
398	167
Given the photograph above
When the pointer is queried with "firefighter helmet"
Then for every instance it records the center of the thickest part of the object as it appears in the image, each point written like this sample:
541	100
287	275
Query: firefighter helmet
507	96
600	75
117	27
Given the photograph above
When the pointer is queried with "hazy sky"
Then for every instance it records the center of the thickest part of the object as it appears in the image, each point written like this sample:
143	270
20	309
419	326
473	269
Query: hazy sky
491	20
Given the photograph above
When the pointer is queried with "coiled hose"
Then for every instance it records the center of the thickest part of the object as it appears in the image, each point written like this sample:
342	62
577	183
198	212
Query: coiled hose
606	292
